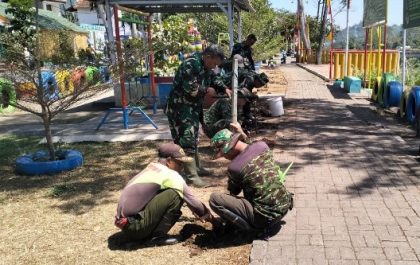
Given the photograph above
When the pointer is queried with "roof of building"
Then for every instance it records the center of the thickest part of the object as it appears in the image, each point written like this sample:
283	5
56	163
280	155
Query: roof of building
48	20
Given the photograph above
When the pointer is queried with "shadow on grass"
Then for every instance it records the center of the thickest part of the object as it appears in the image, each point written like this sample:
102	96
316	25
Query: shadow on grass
107	168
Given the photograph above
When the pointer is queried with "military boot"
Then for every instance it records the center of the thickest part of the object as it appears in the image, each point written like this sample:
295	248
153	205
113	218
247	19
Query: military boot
160	236
201	171
191	175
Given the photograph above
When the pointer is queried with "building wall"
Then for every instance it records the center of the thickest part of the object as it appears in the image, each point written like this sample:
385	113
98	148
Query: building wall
88	17
49	43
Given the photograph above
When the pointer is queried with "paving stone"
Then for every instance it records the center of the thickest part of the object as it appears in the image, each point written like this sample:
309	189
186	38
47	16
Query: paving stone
353	204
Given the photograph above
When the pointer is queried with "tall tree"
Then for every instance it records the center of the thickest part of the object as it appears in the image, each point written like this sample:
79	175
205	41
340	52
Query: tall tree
302	25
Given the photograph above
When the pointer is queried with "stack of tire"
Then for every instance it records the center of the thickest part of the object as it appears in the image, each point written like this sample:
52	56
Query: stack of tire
78	77
386	78
49	83
65	84
93	76
104	73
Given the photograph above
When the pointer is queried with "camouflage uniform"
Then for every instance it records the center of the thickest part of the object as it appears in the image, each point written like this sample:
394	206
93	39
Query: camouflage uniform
184	108
253	171
217	117
245	51
224	80
259	180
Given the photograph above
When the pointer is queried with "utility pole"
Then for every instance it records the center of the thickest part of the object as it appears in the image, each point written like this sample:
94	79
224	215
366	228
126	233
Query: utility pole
346	56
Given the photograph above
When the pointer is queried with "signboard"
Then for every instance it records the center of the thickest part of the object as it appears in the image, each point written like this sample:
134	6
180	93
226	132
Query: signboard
374	12
411	14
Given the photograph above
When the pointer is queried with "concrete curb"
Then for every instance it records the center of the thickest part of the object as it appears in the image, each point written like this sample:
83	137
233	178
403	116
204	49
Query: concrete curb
326	79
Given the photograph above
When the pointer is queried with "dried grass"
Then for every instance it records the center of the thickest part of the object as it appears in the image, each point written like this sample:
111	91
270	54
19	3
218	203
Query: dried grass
68	218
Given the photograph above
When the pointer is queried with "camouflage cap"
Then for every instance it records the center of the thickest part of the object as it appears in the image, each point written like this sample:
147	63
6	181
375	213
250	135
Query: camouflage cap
170	150
225	140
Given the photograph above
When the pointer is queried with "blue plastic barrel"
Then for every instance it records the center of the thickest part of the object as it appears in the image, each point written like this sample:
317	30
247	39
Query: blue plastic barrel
393	94
143	80
164	90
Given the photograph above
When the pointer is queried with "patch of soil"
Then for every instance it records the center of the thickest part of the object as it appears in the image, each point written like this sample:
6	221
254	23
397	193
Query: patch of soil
277	84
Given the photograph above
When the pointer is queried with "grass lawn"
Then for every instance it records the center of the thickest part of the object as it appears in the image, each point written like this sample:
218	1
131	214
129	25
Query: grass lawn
68	218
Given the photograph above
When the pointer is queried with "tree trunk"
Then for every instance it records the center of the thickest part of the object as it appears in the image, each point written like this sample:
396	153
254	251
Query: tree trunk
302	24
48	136
322	34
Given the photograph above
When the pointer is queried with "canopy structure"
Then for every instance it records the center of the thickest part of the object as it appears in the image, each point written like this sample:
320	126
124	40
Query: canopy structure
192	6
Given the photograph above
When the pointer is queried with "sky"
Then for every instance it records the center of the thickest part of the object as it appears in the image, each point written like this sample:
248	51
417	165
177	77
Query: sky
395	10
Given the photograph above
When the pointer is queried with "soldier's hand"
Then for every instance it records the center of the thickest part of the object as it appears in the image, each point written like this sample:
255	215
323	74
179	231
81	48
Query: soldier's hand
228	92
236	128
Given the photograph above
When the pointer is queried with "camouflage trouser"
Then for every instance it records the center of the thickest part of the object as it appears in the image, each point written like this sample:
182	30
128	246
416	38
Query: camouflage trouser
184	122
217	117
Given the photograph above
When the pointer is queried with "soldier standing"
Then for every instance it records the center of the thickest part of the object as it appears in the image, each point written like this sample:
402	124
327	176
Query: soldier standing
185	110
244	49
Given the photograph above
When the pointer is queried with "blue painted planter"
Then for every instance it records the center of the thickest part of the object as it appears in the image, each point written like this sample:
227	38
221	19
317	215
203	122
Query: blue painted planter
393	94
49	83
38	164
412	104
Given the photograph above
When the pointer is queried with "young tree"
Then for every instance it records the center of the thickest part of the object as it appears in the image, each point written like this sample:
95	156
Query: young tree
39	93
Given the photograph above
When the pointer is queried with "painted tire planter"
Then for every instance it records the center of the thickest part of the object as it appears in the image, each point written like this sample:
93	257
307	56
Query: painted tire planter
7	96
375	90
78	77
38	163
65	84
26	89
413	103
386	78
104	73
393	93
49	83
92	75
403	102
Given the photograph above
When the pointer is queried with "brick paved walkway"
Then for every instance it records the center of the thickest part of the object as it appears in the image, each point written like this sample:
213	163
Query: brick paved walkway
356	180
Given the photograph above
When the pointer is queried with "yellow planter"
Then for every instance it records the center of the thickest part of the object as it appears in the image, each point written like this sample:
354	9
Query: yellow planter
64	81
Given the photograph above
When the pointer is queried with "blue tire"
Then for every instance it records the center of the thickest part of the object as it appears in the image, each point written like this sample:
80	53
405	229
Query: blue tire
393	94
30	164
412	104
49	83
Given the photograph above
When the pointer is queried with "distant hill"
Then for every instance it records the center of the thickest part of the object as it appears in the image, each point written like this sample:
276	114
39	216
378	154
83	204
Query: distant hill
394	37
